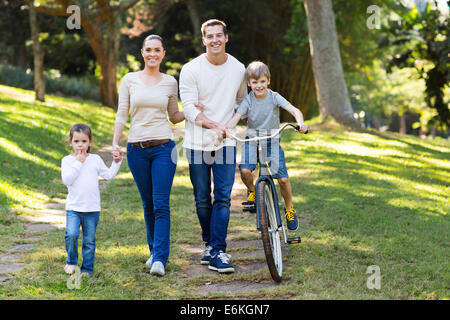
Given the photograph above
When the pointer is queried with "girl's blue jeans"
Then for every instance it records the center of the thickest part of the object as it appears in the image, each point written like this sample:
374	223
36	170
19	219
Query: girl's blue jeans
88	222
153	171
213	216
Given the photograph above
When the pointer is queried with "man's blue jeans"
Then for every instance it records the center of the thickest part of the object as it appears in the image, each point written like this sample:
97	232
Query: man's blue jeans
213	216
153	171
88	222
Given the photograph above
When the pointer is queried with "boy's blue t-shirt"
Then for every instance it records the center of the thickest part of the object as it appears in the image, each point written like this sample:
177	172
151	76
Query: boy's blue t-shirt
262	113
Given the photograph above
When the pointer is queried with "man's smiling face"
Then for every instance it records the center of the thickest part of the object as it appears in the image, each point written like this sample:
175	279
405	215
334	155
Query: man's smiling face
215	40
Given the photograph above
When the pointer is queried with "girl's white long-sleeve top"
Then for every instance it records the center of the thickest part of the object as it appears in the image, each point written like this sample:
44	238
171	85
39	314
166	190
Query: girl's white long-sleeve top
81	179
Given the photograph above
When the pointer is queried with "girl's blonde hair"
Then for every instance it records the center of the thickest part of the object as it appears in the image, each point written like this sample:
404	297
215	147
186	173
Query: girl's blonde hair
81	128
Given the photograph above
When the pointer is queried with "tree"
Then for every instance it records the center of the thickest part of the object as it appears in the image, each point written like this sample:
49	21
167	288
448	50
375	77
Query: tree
102	21
420	40
332	92
38	56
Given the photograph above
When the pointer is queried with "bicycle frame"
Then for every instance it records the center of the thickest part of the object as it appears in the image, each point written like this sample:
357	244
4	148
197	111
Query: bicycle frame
269	179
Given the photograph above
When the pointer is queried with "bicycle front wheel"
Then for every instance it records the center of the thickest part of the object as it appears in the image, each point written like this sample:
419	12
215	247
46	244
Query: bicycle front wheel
269	229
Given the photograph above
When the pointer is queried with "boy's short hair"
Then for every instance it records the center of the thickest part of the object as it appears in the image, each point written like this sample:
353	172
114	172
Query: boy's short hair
257	69
214	22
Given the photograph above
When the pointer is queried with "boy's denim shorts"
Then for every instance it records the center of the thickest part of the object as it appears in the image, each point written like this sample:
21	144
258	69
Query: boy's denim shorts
277	164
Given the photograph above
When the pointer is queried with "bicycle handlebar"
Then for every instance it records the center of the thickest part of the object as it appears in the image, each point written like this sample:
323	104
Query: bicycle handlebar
295	126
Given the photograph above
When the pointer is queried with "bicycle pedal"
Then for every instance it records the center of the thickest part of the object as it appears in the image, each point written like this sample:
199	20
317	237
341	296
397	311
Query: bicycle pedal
251	210
295	240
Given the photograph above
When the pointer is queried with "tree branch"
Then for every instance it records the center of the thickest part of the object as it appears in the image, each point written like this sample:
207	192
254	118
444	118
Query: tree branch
51	10
127	5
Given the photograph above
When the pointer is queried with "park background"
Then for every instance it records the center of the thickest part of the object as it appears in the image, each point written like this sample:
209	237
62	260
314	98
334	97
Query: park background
372	178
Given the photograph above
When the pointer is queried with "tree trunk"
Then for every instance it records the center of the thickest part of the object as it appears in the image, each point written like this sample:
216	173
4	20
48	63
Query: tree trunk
196	25
332	93
106	50
38	56
402	123
102	25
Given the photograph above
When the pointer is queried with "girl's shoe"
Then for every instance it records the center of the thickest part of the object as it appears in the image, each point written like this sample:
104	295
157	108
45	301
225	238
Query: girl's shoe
85	274
157	269
69	269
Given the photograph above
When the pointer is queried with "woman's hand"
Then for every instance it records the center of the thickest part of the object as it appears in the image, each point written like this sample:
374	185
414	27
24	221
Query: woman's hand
117	153
199	106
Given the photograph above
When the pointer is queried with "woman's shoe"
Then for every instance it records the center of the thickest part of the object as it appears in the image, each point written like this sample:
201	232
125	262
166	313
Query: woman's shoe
157	269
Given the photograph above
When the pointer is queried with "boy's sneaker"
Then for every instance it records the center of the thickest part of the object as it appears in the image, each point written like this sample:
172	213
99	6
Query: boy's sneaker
206	255
291	219
250	204
220	262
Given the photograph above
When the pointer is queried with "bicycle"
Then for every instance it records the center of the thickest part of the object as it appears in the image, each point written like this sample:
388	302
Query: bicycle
268	217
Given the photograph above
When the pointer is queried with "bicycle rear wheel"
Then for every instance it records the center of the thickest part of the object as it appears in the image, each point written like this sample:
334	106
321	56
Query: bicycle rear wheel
269	229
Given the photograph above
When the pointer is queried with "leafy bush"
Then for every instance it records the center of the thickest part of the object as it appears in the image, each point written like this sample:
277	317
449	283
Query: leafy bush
55	83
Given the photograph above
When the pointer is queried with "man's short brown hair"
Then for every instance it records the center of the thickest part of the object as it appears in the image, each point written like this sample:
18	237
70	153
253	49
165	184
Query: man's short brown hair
213	22
257	69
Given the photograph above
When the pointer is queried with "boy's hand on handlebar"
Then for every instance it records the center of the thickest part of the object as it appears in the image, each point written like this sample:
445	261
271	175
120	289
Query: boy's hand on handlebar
303	128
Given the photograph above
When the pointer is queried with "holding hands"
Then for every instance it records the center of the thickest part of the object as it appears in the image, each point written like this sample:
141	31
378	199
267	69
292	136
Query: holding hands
117	153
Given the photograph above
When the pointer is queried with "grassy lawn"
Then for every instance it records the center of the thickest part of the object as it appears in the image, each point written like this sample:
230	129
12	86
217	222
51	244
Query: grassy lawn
363	198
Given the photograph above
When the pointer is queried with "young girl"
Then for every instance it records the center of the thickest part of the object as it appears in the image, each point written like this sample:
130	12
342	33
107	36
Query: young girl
79	172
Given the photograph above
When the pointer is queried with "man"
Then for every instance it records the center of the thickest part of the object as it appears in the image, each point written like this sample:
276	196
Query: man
215	80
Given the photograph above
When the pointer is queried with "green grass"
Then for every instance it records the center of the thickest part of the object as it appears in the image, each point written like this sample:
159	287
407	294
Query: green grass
364	198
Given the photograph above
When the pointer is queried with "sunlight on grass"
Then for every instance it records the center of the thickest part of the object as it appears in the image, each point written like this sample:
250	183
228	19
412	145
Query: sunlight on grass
13	149
20	196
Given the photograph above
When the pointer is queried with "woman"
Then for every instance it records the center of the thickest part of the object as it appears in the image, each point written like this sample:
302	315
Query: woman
148	95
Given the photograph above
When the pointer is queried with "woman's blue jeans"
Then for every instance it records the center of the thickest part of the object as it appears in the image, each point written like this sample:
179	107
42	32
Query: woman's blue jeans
213	216
153	171
88	222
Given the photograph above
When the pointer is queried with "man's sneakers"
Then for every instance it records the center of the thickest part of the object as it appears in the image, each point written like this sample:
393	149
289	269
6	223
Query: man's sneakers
206	255
291	219
220	262
250	204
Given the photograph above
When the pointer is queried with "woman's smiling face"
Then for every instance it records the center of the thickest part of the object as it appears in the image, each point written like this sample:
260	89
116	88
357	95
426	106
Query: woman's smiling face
153	53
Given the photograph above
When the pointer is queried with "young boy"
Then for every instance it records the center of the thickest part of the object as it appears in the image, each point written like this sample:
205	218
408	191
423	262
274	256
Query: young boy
261	106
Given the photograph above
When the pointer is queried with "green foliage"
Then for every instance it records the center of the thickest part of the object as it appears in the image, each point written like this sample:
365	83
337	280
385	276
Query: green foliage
85	87
420	40
123	68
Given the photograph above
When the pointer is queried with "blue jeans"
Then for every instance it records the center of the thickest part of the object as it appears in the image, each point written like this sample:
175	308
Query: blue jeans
153	171
213	216
88	222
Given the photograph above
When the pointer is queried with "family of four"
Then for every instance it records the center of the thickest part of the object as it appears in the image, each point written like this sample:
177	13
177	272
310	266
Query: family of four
213	91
